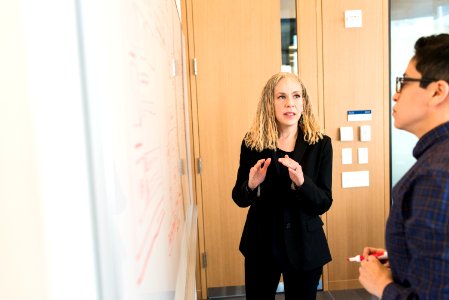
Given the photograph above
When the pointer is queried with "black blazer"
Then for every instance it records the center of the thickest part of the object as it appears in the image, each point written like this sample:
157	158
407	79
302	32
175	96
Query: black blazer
295	212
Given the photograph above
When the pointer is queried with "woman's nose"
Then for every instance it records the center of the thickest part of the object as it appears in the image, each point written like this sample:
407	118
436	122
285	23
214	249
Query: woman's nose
289	102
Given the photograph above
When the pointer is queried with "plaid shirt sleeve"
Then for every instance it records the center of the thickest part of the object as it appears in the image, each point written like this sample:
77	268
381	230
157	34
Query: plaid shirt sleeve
425	212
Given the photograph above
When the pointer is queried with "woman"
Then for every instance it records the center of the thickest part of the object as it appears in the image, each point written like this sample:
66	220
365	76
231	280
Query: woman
285	176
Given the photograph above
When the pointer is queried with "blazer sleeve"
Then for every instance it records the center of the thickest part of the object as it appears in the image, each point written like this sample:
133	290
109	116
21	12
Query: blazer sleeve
316	195
241	194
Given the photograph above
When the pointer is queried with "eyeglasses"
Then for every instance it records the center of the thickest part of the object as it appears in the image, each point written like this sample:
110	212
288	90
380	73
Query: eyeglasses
401	81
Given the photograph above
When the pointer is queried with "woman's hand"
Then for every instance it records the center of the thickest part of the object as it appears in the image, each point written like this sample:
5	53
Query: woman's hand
258	172
374	276
294	170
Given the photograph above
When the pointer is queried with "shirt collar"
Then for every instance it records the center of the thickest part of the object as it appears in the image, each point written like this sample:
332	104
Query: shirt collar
430	138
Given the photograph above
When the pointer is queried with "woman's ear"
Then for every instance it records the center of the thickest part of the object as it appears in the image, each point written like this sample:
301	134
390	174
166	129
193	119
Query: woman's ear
440	93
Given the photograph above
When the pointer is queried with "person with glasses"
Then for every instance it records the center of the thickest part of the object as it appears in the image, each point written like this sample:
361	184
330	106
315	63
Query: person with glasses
417	230
285	178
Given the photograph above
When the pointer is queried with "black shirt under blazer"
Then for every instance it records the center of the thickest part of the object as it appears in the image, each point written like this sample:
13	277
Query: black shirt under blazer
276	207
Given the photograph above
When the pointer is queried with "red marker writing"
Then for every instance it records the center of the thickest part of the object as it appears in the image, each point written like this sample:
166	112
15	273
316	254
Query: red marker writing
380	256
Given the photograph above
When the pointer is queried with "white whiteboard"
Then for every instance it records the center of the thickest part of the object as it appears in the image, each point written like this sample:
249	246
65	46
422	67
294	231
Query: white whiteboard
133	64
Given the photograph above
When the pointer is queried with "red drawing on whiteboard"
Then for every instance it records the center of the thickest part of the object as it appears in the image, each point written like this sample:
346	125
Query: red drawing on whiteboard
150	250
148	230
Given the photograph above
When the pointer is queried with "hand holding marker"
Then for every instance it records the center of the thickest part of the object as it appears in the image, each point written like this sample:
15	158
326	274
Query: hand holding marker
382	255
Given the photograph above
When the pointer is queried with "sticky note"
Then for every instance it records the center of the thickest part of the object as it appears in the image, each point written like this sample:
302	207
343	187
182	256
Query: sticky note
355	179
365	133
346	134
346	156
362	155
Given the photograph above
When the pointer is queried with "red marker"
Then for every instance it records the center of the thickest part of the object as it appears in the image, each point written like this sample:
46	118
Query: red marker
380	256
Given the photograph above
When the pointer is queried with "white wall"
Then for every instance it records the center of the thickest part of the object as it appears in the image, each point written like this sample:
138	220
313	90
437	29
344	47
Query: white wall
47	248
21	226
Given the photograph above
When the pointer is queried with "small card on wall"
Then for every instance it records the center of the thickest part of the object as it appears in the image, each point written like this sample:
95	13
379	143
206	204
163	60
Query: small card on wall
346	134
346	156
353	18
355	179
365	133
363	155
359	115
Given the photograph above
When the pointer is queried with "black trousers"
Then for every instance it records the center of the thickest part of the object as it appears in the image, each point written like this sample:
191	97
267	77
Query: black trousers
262	278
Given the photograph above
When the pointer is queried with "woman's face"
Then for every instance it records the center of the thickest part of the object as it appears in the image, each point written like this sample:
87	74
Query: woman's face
288	103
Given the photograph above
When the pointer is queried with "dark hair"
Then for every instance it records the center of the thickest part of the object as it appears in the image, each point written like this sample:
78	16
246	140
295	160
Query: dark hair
432	57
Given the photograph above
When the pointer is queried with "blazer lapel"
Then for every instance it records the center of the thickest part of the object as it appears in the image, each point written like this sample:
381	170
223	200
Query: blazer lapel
300	147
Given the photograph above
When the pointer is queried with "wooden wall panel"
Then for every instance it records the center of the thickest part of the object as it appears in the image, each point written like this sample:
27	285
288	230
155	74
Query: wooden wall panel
355	77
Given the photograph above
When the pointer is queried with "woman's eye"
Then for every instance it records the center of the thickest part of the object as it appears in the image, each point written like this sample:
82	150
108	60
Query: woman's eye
281	97
297	96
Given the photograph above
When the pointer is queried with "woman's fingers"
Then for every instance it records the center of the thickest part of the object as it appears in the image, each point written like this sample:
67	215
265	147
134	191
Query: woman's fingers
289	163
258	172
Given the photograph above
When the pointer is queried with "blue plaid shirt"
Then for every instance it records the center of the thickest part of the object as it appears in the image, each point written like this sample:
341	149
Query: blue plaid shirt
417	234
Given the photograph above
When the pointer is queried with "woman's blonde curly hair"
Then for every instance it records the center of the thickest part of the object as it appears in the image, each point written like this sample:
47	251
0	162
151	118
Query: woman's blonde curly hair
263	133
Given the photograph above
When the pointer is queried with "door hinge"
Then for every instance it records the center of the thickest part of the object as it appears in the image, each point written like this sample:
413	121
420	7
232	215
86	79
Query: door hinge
195	67
200	165
204	259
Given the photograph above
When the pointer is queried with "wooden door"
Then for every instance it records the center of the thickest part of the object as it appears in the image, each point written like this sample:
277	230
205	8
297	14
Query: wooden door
237	48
